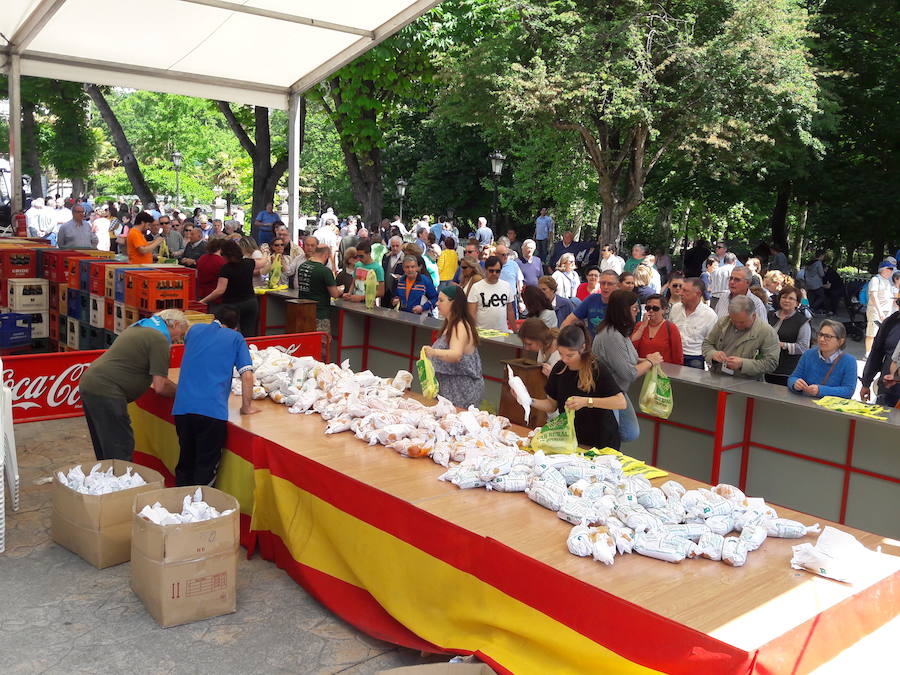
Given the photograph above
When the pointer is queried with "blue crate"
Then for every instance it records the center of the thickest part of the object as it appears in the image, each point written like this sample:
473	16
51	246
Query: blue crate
108	338
120	280
84	336
84	275
97	338
15	330
73	304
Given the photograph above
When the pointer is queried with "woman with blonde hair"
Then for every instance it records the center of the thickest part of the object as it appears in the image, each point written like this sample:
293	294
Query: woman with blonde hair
470	273
567	279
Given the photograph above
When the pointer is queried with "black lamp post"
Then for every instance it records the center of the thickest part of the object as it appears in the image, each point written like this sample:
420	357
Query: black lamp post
497	158
176	162
401	192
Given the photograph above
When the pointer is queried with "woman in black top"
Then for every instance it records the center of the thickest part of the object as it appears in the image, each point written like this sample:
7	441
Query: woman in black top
793	329
235	287
584	387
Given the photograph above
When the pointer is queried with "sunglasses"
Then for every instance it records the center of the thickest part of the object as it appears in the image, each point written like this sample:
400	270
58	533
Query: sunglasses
464	267
652	308
275	243
676	285
494	271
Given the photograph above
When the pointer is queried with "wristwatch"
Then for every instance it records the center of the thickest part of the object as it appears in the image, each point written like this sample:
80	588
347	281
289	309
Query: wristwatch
590	403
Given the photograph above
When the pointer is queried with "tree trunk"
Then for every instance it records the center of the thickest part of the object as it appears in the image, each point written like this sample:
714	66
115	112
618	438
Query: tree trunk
265	174
801	234
32	160
123	147
78	187
664	222
611	219
778	220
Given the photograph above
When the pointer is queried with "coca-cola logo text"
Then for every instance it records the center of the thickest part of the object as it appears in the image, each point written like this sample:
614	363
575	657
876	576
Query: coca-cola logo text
50	391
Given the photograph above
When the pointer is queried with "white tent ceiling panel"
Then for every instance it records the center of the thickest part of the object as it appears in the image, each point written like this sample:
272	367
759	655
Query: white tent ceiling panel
365	14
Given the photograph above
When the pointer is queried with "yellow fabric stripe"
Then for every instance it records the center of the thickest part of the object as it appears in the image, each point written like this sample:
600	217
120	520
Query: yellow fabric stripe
440	603
156	437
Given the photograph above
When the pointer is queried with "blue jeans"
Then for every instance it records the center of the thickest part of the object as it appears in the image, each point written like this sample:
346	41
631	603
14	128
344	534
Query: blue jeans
695	362
628	423
541	251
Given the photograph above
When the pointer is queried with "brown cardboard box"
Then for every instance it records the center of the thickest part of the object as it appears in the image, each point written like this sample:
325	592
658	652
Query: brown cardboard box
98	527
185	573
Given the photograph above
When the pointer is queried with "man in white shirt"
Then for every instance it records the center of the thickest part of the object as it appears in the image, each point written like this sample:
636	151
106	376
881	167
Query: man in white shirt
739	284
718	283
609	260
491	299
694	320
880	302
327	235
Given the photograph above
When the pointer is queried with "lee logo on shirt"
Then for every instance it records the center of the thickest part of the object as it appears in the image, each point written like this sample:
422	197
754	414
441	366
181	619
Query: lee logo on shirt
496	300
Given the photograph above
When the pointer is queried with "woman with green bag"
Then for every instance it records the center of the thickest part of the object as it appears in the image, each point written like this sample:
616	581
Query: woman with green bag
457	363
582	386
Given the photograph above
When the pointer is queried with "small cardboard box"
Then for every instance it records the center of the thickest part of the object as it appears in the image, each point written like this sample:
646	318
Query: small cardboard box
98	527
185	573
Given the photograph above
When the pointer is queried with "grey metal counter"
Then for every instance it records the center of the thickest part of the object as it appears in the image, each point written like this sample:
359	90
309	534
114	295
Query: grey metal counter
758	436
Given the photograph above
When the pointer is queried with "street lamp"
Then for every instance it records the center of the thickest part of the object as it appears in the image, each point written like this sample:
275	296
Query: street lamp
176	162
497	158
401	192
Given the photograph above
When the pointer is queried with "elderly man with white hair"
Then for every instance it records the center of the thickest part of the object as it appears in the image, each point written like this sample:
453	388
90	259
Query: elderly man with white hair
531	266
484	234
138	359
739	279
742	344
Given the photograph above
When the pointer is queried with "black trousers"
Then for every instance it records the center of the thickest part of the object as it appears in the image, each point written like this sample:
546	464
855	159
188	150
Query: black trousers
109	425
201	439
248	316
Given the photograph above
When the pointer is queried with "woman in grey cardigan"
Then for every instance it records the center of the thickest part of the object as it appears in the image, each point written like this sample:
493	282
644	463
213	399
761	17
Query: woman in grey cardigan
614	349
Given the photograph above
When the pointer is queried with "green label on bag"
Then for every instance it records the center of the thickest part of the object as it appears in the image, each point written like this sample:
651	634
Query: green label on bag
656	394
557	436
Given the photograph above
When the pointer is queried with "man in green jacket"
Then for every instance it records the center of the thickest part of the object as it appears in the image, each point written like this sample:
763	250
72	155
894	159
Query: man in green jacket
741	344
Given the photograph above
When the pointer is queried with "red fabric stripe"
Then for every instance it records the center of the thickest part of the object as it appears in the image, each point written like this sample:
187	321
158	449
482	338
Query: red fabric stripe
156	464
676	648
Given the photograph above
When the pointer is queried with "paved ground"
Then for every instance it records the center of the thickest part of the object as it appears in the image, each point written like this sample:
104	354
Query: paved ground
60	615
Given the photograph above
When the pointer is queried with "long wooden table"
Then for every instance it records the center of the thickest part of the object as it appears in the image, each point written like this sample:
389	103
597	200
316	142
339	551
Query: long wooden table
407	558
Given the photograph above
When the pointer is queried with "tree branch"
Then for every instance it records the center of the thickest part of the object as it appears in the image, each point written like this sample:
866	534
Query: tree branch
236	127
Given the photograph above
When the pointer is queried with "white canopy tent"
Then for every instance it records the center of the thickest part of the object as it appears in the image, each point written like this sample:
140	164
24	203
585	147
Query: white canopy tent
257	52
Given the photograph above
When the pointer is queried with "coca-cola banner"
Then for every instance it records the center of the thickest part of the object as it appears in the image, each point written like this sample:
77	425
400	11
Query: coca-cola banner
45	386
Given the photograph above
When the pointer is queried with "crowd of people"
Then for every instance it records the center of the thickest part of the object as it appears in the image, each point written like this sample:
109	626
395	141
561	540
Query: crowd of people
597	319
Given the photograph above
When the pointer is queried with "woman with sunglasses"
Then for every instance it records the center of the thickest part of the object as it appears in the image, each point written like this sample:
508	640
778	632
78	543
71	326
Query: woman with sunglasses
457	363
567	279
657	334
826	370
469	273
278	267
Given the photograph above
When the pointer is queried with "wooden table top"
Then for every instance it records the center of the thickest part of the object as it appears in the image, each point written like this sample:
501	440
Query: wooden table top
745	607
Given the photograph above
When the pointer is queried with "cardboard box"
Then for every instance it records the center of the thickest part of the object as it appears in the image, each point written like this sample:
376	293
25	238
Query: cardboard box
98	527
441	669
185	573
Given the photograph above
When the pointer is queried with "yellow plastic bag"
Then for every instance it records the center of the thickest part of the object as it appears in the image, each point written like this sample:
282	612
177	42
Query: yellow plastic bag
656	394
557	436
427	378
371	288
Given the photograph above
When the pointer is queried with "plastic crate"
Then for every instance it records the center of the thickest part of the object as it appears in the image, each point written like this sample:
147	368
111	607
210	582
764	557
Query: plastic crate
53	326
73	304
28	295
18	263
54	297
131	315
73	268
97	338
15	330
72	333
84	274
109	316
108	338
84	336
96	310
120	273
118	317
63	329
53	265
97	275
40	325
133	285
163	291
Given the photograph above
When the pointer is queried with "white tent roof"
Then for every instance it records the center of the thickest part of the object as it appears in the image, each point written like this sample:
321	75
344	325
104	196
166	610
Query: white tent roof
255	52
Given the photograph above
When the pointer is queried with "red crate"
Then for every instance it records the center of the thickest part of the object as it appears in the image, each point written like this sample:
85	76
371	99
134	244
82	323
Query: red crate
97	280
55	265
188	272
132	285
54	297
109	314
17	263
163	291
73	270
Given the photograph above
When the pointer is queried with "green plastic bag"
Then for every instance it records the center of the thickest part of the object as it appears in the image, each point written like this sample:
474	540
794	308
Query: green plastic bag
656	394
557	436
371	288
427	378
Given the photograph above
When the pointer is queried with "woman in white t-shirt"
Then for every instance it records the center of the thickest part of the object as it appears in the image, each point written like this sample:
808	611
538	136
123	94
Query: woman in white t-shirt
100	227
567	279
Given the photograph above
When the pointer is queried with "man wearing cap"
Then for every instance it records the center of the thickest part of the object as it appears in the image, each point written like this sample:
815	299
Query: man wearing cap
211	352
881	300
138	359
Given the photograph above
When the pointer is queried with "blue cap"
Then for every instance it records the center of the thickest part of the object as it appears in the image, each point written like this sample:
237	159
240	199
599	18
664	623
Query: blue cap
888	264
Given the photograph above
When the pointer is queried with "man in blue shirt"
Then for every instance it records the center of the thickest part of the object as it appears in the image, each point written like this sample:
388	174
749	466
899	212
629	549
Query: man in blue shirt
211	352
543	233
592	310
261	230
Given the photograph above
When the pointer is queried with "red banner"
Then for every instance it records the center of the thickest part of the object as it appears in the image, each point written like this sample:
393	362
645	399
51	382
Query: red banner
45	386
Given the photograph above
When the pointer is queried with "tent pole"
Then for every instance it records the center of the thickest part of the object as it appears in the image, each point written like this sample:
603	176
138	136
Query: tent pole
294	134
15	129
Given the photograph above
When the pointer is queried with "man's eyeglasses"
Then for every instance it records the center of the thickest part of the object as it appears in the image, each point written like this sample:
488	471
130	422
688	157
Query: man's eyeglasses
736	279
653	308
827	336
164	223
494	270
